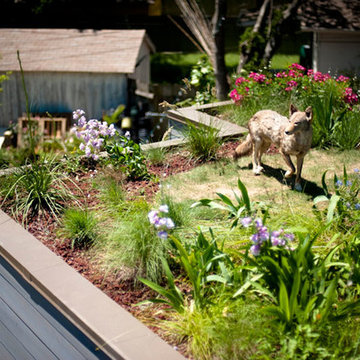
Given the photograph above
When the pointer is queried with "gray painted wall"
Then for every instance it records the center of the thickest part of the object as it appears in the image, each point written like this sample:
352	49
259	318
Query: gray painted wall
62	92
337	52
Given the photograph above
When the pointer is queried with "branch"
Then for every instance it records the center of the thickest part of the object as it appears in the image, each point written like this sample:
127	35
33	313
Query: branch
198	24
186	34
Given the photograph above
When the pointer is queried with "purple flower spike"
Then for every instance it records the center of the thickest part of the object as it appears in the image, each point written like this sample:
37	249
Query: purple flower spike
289	237
246	222
339	183
258	223
163	235
255	250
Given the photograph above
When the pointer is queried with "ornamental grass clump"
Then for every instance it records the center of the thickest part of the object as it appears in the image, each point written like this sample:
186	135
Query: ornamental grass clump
133	243
37	187
203	141
79	225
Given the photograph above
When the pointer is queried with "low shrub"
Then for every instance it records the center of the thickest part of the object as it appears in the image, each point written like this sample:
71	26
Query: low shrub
332	99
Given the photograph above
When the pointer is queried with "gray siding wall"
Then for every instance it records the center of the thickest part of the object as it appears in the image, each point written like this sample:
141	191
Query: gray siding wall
338	52
62	92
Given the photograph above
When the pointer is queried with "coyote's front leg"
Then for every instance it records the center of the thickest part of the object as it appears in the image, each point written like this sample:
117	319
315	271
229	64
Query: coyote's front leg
288	161
299	164
257	168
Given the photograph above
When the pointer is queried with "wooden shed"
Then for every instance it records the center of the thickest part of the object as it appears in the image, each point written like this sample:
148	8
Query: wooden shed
67	69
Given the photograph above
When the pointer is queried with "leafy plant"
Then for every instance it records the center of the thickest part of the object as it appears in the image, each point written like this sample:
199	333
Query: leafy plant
243	207
126	153
202	141
203	79
114	117
344	204
302	287
79	225
347	131
325	118
203	263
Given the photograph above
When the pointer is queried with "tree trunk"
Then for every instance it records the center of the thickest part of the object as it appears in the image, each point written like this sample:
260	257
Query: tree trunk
218	33
245	47
272	37
274	41
210	37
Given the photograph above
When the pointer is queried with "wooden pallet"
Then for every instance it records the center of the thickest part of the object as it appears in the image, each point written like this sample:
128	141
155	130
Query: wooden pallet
45	127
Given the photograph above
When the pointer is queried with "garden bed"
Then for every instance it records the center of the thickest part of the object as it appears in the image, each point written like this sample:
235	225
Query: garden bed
45	227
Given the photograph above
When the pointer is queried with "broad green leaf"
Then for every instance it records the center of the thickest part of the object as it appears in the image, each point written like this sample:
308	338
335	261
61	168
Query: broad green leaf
284	301
247	284
244	194
331	208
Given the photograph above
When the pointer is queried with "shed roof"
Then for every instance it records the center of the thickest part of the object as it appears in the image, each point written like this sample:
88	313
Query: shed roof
70	50
330	15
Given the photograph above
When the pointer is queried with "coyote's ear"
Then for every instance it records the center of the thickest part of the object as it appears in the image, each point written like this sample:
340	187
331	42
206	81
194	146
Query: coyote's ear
293	109
309	113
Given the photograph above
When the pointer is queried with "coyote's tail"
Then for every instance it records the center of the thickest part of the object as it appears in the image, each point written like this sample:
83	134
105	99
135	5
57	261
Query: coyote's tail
245	148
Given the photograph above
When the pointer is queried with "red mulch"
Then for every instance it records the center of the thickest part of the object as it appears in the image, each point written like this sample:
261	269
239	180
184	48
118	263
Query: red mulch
45	229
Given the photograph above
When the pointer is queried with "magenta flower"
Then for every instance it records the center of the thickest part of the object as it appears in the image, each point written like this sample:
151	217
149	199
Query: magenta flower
259	78
297	67
235	96
239	80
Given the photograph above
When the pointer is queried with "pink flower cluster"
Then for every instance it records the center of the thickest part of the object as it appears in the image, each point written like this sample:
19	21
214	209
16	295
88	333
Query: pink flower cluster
235	96
240	80
297	67
350	97
291	73
292	84
259	78
342	78
296	77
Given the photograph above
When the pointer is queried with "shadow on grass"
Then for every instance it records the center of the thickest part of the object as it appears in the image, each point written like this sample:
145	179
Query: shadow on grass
309	187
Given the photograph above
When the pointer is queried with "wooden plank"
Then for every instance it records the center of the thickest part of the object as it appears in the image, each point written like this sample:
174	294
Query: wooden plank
10	347
38	322
23	334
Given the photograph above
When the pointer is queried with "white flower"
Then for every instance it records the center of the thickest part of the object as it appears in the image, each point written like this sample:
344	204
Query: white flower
164	208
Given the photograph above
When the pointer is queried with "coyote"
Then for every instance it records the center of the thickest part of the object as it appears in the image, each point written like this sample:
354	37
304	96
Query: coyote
292	137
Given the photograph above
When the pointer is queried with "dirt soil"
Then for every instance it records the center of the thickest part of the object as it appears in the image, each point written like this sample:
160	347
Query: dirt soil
45	229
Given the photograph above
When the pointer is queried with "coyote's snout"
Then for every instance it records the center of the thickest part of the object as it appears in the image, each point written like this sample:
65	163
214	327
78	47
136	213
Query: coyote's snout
292	136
